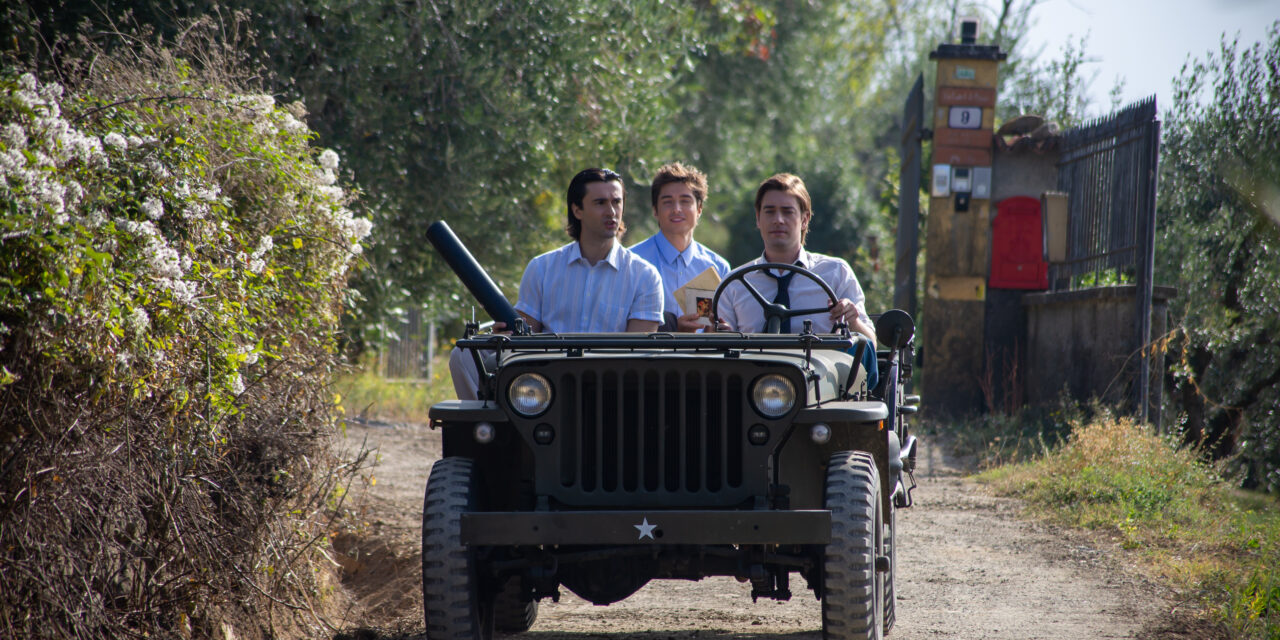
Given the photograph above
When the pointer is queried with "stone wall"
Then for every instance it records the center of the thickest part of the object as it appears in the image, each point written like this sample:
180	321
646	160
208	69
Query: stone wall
1085	341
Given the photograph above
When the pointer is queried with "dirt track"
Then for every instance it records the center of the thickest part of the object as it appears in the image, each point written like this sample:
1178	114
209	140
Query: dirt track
969	569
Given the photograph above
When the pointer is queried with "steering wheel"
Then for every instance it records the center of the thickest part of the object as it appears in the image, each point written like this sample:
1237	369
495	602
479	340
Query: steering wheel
774	313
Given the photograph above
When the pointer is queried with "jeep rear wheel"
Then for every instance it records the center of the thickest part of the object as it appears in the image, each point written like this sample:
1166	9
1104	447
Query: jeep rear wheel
454	604
852	589
511	613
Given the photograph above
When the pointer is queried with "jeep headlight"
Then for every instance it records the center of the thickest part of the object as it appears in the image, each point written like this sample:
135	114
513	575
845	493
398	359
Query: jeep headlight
529	394
773	395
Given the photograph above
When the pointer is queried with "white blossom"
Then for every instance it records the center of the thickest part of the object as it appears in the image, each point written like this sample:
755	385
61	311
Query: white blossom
124	358
332	193
183	291
261	104
256	265
27	82
14	135
153	207
265	244
52	91
208	194
50	193
329	159
294	125
116	140
139	321
195	211
156	167
359	228
237	385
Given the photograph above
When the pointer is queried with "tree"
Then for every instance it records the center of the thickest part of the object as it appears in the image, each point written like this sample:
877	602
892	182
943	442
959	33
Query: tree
1220	239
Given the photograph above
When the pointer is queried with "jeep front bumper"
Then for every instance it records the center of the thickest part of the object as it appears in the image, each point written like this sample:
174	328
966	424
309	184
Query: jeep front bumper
522	528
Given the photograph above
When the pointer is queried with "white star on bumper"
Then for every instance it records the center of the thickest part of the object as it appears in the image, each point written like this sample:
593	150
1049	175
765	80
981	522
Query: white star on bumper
646	529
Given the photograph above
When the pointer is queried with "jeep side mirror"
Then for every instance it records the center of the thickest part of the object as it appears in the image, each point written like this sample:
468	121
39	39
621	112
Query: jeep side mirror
895	328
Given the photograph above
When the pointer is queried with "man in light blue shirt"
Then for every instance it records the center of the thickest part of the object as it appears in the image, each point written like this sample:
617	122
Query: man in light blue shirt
592	284
678	193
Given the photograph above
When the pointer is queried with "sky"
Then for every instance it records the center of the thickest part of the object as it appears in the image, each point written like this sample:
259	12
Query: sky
1145	42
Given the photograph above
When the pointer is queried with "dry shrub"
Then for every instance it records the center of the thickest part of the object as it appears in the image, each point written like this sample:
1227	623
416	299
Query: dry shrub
173	261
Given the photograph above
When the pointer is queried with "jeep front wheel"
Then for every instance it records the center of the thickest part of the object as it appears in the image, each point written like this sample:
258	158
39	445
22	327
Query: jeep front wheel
453	602
852	589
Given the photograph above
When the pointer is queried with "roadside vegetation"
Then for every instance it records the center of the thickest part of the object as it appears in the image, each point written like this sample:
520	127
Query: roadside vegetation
1217	546
173	263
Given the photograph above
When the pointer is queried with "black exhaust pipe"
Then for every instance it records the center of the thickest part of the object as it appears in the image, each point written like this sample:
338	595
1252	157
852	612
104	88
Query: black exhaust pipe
471	274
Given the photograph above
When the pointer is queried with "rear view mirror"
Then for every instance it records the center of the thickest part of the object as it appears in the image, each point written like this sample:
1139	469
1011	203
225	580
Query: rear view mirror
895	328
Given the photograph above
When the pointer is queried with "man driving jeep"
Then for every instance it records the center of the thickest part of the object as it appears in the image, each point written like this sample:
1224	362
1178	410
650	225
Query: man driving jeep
783	212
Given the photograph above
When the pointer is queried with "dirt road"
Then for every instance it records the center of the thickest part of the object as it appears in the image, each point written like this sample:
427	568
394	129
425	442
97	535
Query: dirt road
969	569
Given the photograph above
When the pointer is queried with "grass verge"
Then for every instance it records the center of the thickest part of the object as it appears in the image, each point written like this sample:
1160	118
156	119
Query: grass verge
365	395
1217	545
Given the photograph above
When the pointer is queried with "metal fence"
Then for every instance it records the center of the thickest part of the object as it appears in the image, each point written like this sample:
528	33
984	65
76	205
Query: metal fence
1108	168
409	348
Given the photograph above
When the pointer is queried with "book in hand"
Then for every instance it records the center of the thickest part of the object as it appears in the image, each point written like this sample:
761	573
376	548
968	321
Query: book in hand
696	295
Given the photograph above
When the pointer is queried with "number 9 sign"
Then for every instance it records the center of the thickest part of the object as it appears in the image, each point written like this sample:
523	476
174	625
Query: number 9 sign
965	118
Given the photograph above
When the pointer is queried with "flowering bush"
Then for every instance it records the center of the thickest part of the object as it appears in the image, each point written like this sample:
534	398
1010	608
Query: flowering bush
173	262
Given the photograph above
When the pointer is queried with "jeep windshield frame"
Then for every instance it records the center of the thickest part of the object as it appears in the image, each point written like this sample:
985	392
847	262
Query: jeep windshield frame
660	341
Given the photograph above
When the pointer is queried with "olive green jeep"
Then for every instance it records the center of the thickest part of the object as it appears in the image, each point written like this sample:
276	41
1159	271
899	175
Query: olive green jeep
599	462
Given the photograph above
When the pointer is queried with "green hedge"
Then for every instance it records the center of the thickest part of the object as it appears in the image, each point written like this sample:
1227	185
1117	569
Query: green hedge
173	262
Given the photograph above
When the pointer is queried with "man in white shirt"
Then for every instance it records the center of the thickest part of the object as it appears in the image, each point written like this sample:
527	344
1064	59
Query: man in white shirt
592	284
783	213
678	193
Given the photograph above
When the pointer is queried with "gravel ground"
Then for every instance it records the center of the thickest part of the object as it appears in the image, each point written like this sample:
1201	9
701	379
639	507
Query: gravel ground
970	568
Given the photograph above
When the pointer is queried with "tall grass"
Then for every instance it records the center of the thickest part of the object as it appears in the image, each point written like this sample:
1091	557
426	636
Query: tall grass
1216	544
366	396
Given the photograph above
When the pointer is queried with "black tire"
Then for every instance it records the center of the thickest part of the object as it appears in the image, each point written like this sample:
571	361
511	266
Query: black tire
891	550
852	589
511	613
453	601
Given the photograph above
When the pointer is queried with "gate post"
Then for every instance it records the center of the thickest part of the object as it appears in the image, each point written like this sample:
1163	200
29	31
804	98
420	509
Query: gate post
956	237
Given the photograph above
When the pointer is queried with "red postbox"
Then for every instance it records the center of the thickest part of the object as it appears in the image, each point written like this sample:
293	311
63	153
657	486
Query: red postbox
1017	246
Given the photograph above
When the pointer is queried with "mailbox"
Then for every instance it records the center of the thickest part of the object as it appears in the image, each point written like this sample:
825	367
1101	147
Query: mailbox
1017	246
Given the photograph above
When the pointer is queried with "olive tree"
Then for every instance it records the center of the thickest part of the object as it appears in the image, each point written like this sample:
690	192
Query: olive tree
1219	209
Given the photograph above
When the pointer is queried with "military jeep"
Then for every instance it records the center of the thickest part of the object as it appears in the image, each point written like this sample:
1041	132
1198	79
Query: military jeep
599	462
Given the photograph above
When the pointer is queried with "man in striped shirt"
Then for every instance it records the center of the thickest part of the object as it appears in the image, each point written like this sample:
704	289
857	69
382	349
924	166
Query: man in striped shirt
590	285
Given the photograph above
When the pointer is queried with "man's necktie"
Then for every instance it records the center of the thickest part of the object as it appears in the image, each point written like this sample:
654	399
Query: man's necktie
783	297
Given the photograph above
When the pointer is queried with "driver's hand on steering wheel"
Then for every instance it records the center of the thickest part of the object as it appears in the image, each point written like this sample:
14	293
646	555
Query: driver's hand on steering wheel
843	311
846	311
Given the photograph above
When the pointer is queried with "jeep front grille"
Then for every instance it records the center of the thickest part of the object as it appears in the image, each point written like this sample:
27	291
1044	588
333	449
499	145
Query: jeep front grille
651	432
